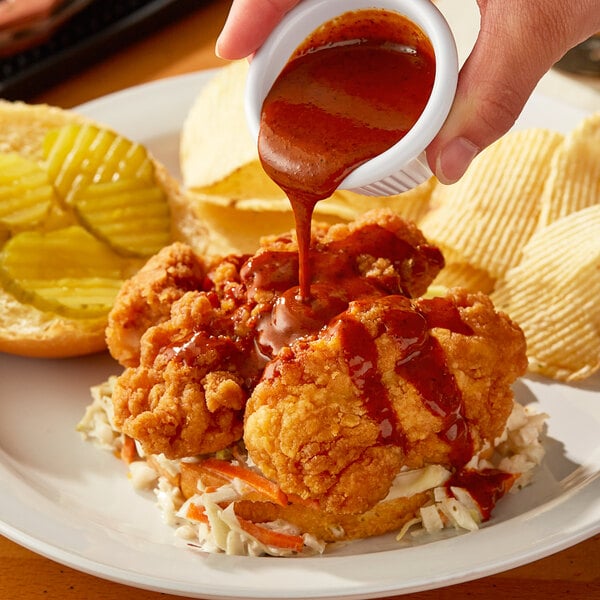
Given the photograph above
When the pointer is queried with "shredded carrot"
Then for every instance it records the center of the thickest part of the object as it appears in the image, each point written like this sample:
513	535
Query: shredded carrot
196	513
128	450
268	537
258	482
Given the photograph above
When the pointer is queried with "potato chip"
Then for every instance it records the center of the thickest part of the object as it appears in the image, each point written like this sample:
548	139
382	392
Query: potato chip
232	231
489	214
411	205
215	139
250	188
464	275
219	159
247	188
574	180
553	295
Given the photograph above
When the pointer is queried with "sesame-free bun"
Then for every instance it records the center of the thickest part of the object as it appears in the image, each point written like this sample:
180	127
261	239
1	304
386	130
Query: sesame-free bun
24	329
27	331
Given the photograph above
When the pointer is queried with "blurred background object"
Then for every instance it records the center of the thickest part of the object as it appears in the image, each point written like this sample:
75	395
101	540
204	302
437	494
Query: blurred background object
43	41
24	23
584	59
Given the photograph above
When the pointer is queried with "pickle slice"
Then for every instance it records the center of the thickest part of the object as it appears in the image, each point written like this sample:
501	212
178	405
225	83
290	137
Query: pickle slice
78	155
66	271
131	215
26	195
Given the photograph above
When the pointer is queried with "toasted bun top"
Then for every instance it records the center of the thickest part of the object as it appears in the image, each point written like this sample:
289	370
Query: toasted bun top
24	329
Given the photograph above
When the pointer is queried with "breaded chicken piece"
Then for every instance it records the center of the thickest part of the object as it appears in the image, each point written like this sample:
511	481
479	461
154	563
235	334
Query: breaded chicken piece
389	254
400	261
390	383
195	336
146	298
188	394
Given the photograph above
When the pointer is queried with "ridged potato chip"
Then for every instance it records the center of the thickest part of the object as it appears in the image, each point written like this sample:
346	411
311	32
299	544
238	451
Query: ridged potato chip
553	295
249	188
489	214
220	163
231	231
574	180
456	274
411	205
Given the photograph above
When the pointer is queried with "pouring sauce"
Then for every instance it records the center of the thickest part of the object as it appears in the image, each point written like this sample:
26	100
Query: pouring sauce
349	92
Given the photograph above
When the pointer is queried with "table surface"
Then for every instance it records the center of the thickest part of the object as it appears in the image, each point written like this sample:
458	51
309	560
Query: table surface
185	46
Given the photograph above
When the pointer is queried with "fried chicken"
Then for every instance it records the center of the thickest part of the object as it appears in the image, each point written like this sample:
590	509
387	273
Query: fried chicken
389	383
146	298
195	337
196	369
188	395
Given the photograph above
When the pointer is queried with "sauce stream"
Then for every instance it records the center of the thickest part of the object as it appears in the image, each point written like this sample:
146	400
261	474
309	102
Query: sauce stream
349	92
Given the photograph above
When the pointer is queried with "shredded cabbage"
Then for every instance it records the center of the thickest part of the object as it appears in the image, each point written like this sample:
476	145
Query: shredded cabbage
517	451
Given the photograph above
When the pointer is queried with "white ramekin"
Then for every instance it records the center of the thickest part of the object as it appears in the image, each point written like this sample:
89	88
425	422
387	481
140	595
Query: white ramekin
403	166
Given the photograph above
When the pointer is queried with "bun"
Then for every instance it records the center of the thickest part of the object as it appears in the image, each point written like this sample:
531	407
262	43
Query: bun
27	331
24	329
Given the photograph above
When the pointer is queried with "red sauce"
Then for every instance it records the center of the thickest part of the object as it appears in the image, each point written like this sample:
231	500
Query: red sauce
421	362
360	353
350	91
485	487
336	280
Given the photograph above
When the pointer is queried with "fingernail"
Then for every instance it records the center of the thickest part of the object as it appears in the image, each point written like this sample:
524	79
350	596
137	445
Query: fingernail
454	159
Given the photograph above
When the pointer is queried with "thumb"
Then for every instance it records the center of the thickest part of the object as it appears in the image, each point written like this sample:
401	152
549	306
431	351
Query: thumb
513	51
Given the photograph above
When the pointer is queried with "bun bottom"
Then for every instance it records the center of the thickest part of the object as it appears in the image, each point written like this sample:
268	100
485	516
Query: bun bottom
385	517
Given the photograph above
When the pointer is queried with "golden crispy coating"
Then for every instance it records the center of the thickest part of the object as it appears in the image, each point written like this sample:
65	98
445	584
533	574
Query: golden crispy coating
187	395
390	383
146	298
196	336
386	516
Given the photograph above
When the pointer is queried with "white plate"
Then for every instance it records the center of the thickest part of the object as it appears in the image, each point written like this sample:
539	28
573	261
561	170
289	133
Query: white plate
66	500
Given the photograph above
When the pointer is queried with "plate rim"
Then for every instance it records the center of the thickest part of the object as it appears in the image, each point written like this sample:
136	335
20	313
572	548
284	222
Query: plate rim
585	529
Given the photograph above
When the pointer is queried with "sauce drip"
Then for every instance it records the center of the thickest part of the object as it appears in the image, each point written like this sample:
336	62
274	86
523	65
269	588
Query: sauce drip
360	353
336	280
486	487
421	362
349	92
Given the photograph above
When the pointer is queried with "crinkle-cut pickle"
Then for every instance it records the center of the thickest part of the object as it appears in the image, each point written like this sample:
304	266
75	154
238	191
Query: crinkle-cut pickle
109	181
26	195
131	215
77	155
66	271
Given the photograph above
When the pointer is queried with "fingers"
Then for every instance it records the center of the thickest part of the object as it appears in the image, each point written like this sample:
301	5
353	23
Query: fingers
248	24
518	42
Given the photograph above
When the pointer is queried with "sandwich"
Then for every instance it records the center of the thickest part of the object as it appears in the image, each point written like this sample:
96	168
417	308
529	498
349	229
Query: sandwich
271	424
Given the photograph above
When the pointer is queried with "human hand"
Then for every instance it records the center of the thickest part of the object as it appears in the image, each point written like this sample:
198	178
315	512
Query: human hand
517	43
248	25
